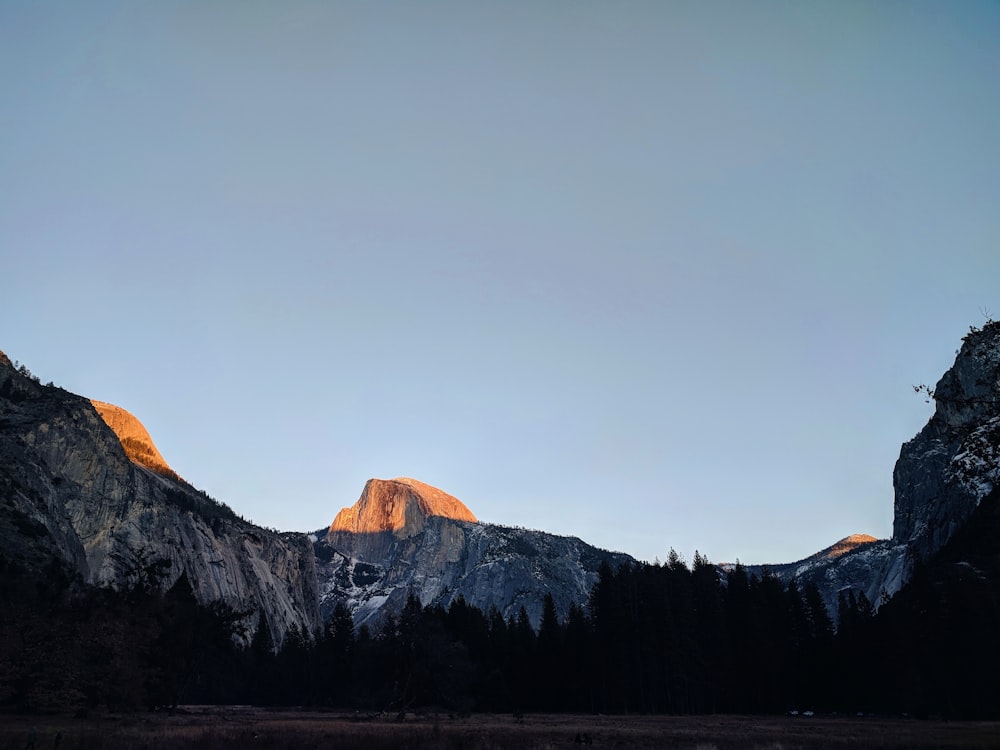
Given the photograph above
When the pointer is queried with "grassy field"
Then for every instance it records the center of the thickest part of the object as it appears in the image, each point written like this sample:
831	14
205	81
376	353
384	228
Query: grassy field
246	729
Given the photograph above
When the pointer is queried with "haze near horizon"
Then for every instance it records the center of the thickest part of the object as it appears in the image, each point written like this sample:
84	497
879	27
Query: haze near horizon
651	274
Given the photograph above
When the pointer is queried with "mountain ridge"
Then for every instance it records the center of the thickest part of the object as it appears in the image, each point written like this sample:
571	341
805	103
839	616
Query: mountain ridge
113	504
70	493
69	489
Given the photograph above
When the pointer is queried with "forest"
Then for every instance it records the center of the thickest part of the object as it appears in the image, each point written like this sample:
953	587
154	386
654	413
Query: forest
671	638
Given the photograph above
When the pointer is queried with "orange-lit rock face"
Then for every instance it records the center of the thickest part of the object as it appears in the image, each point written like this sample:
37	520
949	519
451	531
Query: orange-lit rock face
401	506
134	438
849	543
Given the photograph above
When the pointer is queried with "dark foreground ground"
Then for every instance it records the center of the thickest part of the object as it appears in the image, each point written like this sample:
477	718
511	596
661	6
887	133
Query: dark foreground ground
248	729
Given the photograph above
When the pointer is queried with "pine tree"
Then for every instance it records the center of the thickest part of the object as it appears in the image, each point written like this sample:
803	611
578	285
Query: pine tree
550	676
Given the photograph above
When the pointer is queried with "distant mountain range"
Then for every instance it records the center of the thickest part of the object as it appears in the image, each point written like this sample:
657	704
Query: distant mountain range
82	482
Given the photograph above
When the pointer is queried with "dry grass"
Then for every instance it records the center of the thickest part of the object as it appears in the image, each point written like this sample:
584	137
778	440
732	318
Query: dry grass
248	729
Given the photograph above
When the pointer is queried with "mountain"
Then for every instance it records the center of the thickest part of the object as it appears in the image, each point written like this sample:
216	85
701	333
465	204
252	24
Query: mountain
82	483
860	563
941	477
404	536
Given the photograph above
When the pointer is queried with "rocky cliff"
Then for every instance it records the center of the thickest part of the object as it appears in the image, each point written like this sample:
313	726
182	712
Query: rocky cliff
405	536
135	440
946	470
939	480
69	491
398	505
390	510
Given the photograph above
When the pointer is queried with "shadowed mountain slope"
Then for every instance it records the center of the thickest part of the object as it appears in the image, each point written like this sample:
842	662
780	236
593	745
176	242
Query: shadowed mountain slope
104	503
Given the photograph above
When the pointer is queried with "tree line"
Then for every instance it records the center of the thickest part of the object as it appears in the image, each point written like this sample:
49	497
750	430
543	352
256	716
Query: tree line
652	639
670	638
660	638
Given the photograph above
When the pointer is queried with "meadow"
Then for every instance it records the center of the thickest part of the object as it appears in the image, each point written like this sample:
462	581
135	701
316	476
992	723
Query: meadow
248	728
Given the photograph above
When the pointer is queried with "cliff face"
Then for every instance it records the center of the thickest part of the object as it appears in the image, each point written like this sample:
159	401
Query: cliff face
405	536
135	440
940	478
391	509
946	470
69	490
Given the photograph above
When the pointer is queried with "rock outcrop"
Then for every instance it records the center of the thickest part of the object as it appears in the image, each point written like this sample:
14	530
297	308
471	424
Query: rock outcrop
69	491
392	509
398	505
404	536
940	478
946	470
135	440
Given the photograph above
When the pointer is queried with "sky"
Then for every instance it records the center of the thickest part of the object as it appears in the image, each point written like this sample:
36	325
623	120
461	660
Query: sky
653	274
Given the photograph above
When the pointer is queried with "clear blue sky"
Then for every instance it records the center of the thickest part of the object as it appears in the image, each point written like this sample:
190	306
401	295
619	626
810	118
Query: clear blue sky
653	274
